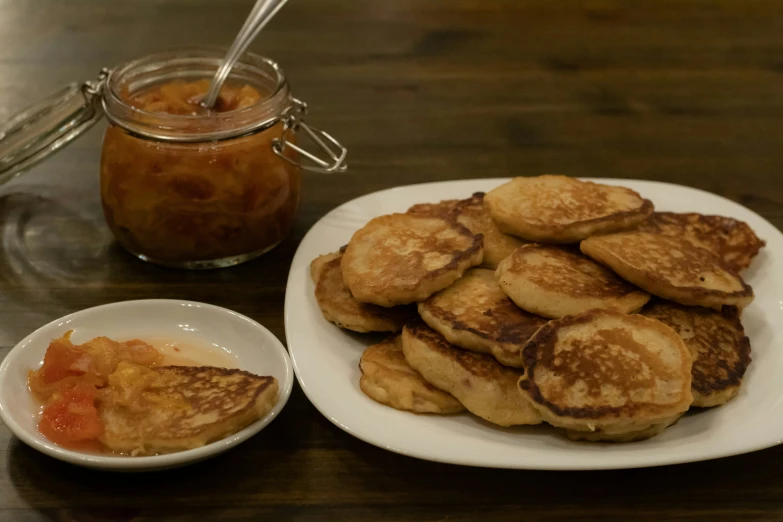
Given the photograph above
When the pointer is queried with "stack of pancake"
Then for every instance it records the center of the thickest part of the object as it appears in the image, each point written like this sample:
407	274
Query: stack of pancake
548	299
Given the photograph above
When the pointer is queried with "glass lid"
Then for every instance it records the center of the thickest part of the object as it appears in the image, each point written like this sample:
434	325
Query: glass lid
42	129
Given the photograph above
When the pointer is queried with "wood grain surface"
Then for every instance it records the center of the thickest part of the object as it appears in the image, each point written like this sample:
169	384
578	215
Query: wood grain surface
689	92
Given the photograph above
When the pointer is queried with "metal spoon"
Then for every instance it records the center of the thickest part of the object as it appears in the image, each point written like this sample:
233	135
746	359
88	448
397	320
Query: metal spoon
260	15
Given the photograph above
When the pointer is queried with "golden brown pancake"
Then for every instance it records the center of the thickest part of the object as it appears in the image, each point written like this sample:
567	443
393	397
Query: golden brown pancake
339	306
732	240
605	375
671	268
317	265
559	209
717	342
173	408
554	282
474	215
476	315
484	386
387	378
446	209
402	258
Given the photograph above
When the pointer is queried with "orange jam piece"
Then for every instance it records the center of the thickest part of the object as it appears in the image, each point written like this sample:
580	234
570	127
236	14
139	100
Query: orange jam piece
71	418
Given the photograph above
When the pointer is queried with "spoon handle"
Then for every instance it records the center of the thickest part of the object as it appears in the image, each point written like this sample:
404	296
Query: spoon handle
262	12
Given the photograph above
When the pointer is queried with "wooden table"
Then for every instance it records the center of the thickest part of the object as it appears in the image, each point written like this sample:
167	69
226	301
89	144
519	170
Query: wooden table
686	92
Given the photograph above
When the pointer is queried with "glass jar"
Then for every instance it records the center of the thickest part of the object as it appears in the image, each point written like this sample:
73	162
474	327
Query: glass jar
200	189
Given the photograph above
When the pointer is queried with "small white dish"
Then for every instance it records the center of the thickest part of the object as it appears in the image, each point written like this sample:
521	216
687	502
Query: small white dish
230	335
326	358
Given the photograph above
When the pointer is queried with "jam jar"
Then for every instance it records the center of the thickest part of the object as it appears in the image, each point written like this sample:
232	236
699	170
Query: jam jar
181	185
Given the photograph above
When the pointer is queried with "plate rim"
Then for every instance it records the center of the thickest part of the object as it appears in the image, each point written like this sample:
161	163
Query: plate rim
152	462
466	460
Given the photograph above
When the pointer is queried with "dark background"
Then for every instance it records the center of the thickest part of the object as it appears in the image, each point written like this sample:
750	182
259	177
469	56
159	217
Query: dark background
680	91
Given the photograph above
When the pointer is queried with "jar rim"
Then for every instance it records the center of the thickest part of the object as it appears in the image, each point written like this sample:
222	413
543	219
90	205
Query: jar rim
197	62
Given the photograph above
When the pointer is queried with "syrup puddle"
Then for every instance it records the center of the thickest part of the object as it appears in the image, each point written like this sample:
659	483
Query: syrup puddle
178	353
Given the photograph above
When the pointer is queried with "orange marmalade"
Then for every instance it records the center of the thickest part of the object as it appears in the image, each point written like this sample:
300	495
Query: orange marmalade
184	98
199	204
72	382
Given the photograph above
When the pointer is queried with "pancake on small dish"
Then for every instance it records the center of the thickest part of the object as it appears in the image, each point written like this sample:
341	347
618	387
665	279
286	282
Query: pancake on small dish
339	307
718	345
484	386
670	267
554	282
476	315
605	375
402	258
732	240
559	209
165	409
474	215
387	378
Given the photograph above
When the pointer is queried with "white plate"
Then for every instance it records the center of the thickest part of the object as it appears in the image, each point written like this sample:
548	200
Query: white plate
326	359
230	335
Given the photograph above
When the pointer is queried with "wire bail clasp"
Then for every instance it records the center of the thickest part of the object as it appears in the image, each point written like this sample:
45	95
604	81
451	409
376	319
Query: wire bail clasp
293	120
91	89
